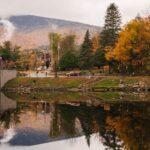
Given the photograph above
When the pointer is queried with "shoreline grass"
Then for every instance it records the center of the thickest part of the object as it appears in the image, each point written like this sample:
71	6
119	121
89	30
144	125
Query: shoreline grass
79	82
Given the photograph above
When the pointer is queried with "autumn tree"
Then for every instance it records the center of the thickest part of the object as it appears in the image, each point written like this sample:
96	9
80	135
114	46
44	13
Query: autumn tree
95	43
133	47
109	57
54	39
86	54
23	62
33	60
67	44
68	57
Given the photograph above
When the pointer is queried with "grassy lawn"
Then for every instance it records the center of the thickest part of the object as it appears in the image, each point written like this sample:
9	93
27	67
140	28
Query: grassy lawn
45	82
75	82
78	97
108	96
116	81
122	96
107	82
48	96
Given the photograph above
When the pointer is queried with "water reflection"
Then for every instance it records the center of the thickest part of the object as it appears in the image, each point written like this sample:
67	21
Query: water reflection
121	125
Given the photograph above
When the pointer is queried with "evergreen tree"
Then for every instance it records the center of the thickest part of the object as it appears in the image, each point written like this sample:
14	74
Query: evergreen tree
99	58
109	34
6	51
86	54
10	54
68	61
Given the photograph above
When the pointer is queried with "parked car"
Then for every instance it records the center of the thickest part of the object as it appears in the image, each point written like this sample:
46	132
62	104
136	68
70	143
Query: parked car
73	73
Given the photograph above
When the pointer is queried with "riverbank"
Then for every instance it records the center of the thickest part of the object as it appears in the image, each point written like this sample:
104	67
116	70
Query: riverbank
89	97
105	83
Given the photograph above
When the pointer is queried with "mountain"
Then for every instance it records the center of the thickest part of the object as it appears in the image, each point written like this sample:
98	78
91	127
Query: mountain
28	23
32	31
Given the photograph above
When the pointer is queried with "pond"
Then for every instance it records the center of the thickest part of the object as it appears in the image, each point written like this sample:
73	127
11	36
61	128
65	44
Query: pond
75	121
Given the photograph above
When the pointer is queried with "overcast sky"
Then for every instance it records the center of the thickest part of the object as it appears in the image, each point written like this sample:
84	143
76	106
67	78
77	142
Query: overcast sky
86	11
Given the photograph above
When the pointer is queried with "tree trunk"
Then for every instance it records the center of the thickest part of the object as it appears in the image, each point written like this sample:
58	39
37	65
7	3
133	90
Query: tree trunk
55	70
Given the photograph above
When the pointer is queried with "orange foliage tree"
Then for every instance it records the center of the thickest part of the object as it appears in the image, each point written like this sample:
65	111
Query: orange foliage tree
95	43
132	50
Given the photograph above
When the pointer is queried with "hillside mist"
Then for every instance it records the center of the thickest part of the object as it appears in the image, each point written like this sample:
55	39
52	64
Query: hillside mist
32	31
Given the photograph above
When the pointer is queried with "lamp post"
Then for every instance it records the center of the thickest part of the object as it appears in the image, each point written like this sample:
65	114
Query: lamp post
1	61
58	54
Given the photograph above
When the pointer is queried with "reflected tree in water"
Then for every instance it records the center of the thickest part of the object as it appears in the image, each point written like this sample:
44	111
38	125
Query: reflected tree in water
68	116
85	115
55	122
9	117
123	126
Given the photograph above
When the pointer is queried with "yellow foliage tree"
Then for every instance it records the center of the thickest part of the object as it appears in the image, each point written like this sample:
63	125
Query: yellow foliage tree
54	39
109	53
133	47
95	43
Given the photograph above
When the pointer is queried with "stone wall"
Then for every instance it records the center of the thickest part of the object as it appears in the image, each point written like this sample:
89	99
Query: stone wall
6	75
6	103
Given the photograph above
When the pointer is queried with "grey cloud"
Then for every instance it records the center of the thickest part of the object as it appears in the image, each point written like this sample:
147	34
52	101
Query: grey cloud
86	11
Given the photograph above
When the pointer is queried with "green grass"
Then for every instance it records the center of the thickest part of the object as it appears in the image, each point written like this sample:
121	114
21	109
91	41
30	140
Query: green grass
48	96
122	96
107	82
116	81
45	82
75	82
107	96
79	97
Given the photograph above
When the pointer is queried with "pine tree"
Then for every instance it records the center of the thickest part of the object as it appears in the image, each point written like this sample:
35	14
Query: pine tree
109	34
86	54
99	58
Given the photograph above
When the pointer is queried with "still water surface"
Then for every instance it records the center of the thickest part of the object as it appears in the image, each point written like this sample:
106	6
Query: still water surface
83	123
